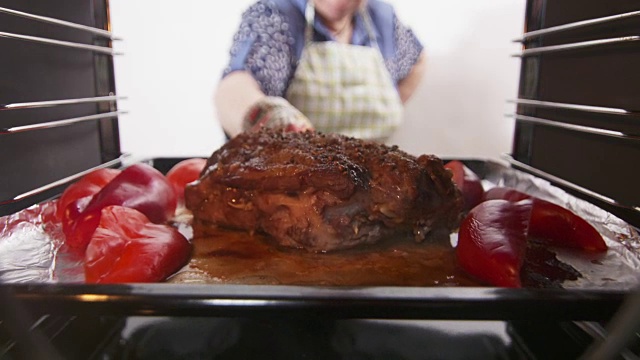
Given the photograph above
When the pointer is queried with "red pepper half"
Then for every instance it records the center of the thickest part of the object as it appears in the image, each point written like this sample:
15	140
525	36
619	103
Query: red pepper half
184	172
127	248
553	224
492	241
139	187
468	182
88	185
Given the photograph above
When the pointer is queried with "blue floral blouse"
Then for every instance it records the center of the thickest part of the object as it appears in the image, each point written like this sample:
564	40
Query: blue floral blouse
270	40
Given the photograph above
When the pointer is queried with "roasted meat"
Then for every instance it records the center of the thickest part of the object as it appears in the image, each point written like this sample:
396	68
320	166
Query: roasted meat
322	192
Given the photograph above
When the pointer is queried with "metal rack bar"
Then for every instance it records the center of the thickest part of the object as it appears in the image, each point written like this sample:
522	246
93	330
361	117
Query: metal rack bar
568	184
574	127
58	123
578	45
48	103
49	20
575	25
63	181
587	108
99	49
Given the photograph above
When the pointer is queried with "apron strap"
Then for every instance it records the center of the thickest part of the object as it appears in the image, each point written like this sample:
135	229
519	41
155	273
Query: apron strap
310	15
368	23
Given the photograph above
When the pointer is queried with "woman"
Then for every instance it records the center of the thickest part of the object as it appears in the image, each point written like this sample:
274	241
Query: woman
342	66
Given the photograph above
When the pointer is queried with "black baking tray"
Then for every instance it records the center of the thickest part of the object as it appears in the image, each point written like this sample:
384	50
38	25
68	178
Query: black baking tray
215	300
169	320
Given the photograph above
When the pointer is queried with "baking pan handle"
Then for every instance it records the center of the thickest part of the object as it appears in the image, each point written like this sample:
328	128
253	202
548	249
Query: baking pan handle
569	185
574	25
556	105
63	181
577	45
58	123
41	40
574	127
54	21
39	104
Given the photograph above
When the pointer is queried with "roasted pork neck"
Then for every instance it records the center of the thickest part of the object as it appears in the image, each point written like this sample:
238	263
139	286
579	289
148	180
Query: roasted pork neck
323	192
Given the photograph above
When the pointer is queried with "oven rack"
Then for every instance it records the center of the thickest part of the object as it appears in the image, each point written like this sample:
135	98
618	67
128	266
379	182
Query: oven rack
59	110
49	103
577	118
67	24
577	45
53	185
577	122
626	212
527	36
50	20
63	162
41	40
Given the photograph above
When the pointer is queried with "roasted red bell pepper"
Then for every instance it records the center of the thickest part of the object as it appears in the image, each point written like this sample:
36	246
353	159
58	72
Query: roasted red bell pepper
127	248
468	182
492	241
184	172
88	185
554	224
139	187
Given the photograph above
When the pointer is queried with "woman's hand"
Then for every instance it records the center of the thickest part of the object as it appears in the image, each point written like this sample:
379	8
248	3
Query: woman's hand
275	112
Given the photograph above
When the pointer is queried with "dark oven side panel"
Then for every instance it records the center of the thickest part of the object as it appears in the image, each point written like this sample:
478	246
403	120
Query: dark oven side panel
41	85
578	113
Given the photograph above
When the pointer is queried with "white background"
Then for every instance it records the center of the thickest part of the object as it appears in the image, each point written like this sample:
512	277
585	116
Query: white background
174	53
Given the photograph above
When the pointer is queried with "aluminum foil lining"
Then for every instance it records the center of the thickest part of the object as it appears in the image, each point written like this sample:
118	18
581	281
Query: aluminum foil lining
618	268
31	246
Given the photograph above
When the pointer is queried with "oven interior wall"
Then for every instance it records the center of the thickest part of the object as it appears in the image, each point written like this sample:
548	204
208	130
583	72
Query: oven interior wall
578	114
34	72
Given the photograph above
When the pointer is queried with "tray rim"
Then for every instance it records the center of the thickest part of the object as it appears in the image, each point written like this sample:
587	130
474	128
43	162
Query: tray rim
419	303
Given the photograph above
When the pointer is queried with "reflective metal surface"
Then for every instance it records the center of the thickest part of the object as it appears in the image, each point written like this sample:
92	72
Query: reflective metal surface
52	124
579	107
573	127
576	25
576	46
331	303
41	40
568	184
48	103
64	181
68	24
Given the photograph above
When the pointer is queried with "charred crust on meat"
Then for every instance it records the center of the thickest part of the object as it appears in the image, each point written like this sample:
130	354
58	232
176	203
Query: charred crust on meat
323	192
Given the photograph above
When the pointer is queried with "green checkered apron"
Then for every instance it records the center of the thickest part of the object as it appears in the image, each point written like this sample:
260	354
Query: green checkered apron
345	88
